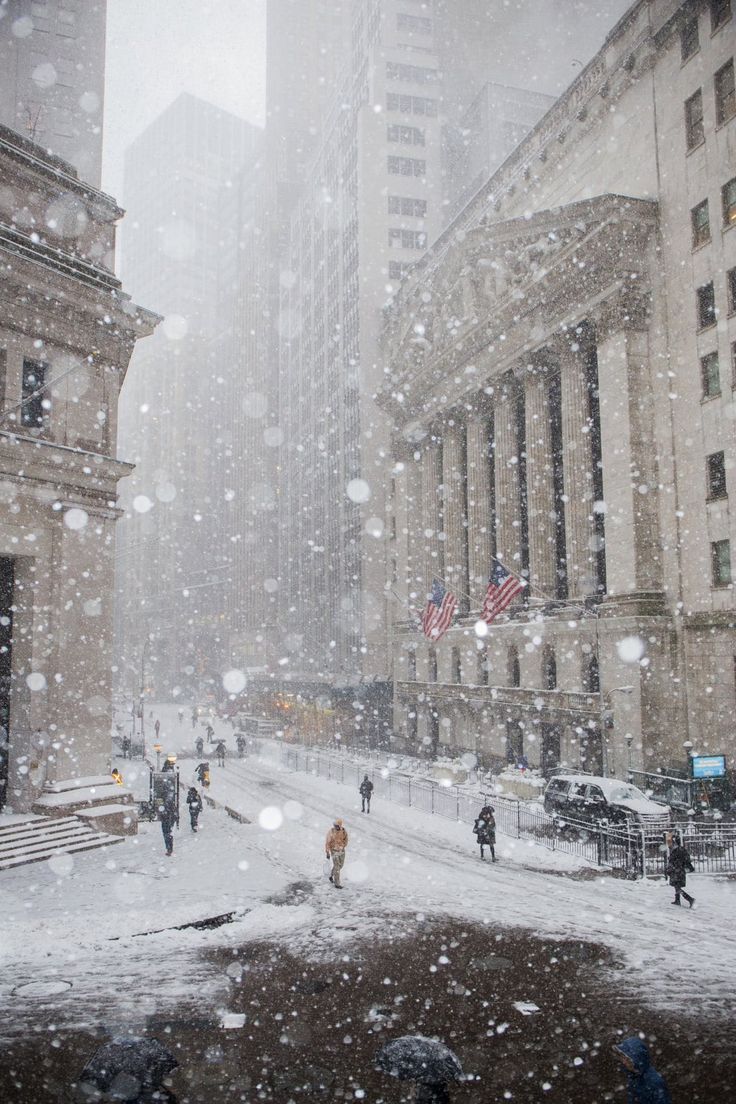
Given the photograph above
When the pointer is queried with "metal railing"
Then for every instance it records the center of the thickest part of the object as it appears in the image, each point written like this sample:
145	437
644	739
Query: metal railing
598	844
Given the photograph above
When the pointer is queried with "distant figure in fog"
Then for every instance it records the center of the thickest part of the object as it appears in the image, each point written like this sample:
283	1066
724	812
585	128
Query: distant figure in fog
210	733
180	715
240	744
220	753
194	801
365	790
157	728
167	816
644	1084
117	776
194	717
485	830
199	746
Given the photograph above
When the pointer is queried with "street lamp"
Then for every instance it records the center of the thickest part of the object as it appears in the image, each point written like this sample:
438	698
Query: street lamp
157	748
606	717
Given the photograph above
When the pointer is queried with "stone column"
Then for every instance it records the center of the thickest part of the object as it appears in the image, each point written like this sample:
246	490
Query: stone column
454	479
411	564
508	505
577	465
540	487
432	502
480	499
629	460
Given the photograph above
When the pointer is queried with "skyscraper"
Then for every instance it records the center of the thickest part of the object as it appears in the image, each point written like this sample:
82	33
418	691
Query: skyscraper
178	408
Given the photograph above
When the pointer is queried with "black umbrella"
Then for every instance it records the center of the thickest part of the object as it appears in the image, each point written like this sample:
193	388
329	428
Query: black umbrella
426	1061
127	1066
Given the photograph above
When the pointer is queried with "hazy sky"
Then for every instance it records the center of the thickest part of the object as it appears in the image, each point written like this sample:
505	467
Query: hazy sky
159	48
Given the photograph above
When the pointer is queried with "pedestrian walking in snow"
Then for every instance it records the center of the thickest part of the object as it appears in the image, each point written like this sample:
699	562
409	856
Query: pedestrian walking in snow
199	747
240	744
679	865
157	728
365	790
210	733
194	717
126	746
180	715
117	776
202	774
644	1084
194	801
220	753
335	844
167	816
485	830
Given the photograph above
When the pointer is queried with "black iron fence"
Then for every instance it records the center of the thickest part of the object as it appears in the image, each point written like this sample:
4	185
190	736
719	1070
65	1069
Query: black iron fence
629	849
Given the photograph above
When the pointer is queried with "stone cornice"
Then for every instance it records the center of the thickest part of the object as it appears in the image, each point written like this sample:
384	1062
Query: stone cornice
544	703
31	461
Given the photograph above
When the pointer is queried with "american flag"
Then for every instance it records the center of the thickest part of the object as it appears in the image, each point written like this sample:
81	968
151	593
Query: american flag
438	613
502	589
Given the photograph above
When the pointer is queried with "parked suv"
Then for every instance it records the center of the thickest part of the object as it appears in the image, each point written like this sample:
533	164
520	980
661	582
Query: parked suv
591	799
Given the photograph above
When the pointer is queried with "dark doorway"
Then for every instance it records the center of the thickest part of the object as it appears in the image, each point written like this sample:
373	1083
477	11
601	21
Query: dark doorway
7	584
433	726
591	751
514	742
550	748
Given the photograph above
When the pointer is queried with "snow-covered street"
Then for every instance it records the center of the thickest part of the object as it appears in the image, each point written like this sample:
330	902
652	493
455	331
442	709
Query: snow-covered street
131	953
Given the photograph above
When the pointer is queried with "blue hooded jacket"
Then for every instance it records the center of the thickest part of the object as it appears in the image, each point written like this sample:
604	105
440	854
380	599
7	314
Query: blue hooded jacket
645	1085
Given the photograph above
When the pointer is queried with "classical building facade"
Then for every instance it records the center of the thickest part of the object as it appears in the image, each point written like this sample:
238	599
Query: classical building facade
560	371
67	331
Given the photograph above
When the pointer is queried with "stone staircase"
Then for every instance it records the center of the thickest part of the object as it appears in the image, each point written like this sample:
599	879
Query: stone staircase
40	838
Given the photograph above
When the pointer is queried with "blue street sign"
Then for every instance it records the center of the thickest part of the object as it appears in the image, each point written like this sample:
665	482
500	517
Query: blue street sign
708	766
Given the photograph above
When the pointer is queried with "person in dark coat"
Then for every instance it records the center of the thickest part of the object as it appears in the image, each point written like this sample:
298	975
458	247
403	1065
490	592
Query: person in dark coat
644	1084
199	746
220	753
240	743
679	864
366	792
202	772
194	801
167	816
485	830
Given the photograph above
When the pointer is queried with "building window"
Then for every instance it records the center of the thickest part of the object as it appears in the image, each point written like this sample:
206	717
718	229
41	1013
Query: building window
398	270
728	196
513	667
407	239
34	405
407	135
731	289
411	105
716	474
694	132
407	166
725	94
549	669
720	552
591	677
710	375
689	40
483	668
720	13
415	74
403	205
432	664
706	306
420	23
457	675
700	224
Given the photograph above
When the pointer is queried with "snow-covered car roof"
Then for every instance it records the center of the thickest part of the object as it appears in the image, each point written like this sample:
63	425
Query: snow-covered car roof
611	787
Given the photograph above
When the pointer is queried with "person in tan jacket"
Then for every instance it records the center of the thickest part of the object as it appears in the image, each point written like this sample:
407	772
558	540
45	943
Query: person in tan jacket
335	844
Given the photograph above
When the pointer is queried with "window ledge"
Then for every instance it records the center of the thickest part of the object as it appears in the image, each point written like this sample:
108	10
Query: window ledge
725	122
694	149
719	28
717	498
709	398
701	245
703	329
722	586
684	61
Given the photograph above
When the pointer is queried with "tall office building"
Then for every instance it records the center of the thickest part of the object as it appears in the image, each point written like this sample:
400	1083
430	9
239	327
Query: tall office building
52	77
375	191
179	406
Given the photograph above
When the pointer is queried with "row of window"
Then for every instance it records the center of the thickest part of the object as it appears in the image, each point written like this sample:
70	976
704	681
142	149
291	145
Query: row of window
725	97
710	373
720	13
411	105
700	214
706	300
408	135
404	205
398	270
590	676
407	166
407	239
414	74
